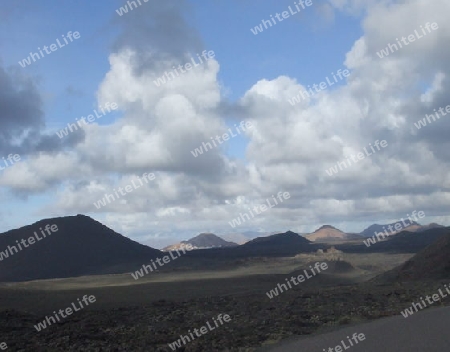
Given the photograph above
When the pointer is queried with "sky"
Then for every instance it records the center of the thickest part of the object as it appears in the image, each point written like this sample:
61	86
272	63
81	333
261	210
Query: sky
362	110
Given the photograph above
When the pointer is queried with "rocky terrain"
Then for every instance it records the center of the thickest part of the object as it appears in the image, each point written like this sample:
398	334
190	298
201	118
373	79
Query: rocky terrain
256	320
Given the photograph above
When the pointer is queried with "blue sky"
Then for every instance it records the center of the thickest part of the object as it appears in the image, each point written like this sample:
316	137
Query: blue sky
251	77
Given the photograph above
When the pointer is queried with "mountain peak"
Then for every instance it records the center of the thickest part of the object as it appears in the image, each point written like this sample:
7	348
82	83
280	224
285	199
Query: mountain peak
328	233
278	238
327	227
205	235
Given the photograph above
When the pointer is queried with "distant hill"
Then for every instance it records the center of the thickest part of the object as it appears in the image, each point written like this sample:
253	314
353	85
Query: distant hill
433	262
403	242
255	234
288	243
244	237
236	237
81	246
411	227
328	233
288	237
202	241
370	231
427	227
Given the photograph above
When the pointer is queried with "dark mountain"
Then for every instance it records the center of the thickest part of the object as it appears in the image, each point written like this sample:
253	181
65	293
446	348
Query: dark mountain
202	241
285	238
254	234
403	242
81	246
288	243
433	262
278	245
370	231
411	227
244	237
429	226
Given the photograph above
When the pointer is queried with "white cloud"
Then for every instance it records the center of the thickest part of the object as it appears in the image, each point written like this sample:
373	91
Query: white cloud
289	149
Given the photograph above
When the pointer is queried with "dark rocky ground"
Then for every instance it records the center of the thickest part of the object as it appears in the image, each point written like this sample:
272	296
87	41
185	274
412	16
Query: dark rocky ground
256	319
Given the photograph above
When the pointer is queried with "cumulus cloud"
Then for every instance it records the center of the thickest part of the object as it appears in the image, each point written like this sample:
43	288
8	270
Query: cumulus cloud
289	148
22	120
380	100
